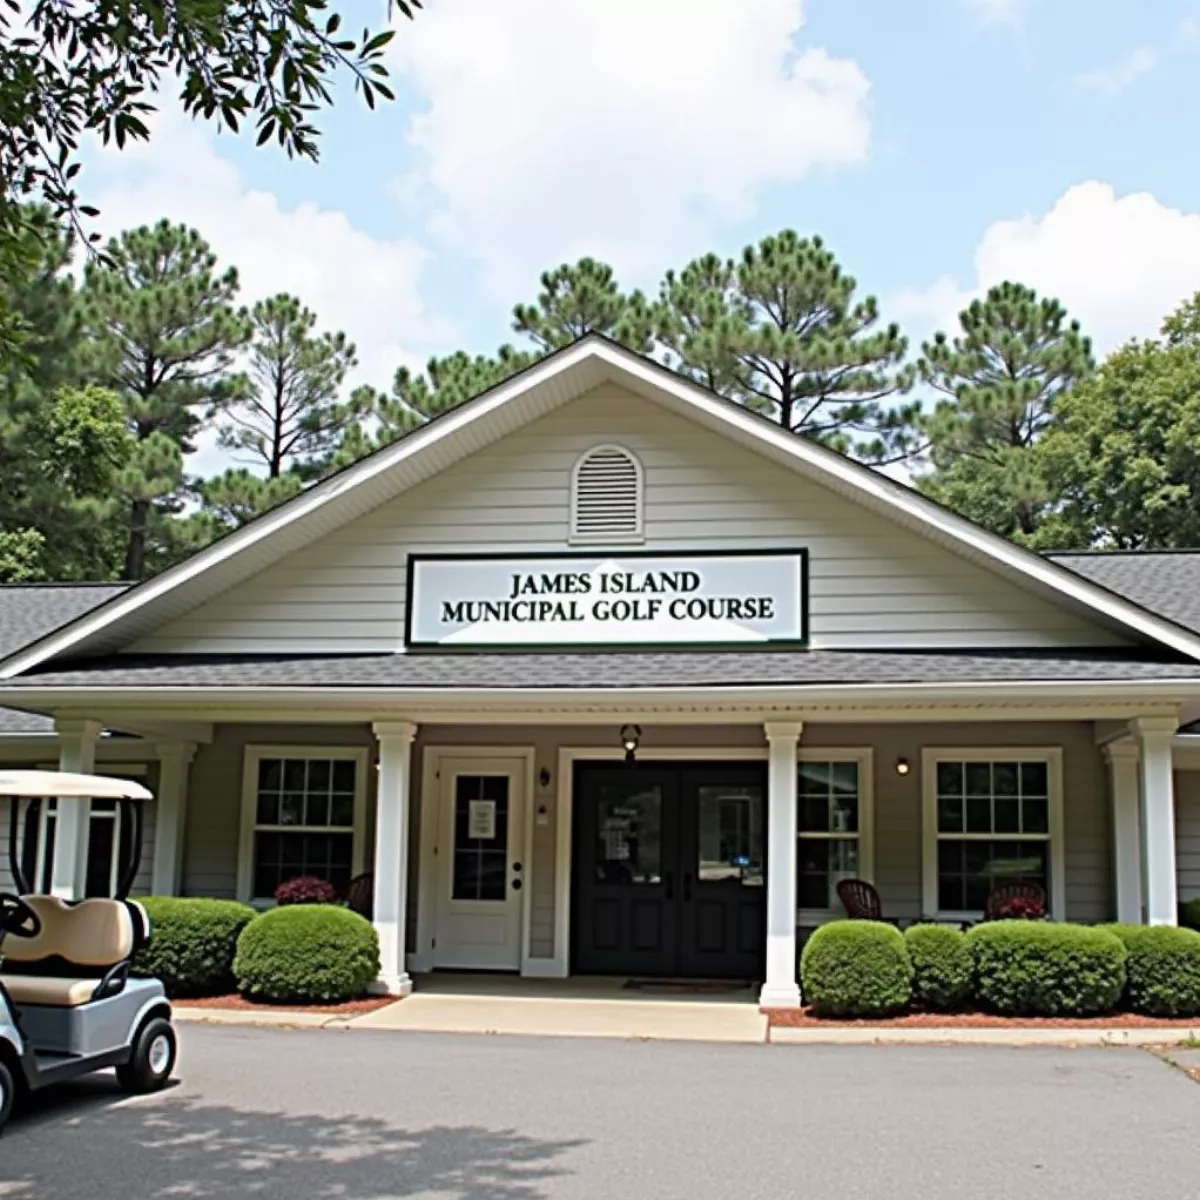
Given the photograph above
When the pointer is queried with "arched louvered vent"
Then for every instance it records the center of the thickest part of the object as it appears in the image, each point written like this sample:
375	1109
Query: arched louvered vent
606	497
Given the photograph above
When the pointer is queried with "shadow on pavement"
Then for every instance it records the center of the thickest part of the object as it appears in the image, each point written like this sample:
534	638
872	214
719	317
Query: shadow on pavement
175	1146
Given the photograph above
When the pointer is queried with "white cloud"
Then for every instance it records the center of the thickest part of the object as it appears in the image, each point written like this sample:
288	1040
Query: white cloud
1122	74
367	286
998	12
1119	264
623	129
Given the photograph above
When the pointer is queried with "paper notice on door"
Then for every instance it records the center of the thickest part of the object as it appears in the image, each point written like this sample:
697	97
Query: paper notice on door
481	820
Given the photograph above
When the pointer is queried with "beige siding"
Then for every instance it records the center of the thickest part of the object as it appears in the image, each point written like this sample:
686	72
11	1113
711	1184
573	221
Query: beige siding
215	797
873	584
1187	832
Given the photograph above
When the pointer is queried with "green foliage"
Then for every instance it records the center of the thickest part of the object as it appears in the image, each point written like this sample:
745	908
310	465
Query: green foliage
71	69
1014	360
583	298
290	409
162	332
307	953
856	969
1125	452
1162	969
192	943
941	967
238	496
1038	968
780	331
1189	913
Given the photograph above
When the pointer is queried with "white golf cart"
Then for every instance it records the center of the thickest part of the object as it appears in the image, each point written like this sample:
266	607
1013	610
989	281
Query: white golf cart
68	1005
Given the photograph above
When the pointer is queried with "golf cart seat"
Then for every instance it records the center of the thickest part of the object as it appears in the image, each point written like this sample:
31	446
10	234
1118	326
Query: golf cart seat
81	953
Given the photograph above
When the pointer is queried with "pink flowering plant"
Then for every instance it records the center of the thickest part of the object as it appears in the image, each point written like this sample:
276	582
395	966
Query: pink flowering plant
306	889
1022	908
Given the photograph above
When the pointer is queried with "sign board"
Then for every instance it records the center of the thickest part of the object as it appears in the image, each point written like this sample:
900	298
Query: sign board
481	819
735	599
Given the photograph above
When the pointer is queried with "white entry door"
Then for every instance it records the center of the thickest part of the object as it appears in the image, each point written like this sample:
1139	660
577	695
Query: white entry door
482	873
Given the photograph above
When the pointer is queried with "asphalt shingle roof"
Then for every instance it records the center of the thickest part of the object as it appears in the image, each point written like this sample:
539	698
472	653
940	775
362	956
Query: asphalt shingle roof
630	669
1167	583
29	612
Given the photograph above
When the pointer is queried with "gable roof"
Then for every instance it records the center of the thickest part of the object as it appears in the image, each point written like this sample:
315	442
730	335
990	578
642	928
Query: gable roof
538	390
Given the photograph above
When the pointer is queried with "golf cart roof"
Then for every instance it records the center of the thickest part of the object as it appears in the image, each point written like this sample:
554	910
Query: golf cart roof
66	785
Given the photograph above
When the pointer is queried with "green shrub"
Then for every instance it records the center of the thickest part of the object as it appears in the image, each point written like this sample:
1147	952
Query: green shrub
307	953
1162	969
941	967
1039	968
192	943
856	969
1189	913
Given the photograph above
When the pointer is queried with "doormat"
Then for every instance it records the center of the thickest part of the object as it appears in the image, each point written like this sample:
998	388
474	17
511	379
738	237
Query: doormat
687	987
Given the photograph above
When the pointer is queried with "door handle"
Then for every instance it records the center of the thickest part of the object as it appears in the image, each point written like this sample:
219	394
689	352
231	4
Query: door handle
669	884
687	885
517	868
516	885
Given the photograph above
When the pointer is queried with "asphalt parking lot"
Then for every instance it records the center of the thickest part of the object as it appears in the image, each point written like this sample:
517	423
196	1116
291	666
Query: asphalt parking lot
372	1116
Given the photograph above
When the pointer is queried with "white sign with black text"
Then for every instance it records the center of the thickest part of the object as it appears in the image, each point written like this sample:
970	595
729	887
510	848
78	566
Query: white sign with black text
597	601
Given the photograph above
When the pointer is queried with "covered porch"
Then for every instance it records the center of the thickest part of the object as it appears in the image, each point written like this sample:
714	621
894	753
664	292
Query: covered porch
467	818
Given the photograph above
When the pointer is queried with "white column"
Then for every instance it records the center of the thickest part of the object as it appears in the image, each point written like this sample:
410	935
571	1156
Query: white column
1127	829
76	753
170	816
1155	735
391	852
780	989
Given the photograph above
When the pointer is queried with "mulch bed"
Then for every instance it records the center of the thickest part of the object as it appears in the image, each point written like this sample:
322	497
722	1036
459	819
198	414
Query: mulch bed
349	1008
803	1018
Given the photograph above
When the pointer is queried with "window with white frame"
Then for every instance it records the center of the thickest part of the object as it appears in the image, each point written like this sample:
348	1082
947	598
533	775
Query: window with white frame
110	838
834	826
991	817
302	814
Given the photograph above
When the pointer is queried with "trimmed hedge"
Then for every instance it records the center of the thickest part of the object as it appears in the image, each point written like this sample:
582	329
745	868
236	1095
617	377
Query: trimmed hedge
1162	969
192	943
307	953
856	969
1040	968
1189	913
941	967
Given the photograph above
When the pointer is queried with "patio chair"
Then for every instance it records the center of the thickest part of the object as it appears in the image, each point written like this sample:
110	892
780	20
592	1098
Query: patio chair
861	901
1019	889
360	895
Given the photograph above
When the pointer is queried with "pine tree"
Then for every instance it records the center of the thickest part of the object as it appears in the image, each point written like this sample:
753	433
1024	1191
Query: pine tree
780	331
1002	376
291	409
582	298
236	497
163	333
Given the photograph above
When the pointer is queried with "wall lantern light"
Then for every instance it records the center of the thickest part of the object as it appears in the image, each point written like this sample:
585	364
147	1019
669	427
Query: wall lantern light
630	736
544	777
902	767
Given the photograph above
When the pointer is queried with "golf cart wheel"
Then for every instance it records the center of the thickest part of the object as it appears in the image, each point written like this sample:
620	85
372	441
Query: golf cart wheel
153	1058
8	1092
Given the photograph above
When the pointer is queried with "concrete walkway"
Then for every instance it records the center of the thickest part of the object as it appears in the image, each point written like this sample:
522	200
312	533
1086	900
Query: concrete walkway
578	1007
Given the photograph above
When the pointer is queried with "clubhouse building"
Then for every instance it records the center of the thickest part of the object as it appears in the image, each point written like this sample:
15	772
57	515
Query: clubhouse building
599	673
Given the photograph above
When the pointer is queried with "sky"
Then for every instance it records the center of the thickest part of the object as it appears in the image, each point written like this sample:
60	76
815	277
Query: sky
938	147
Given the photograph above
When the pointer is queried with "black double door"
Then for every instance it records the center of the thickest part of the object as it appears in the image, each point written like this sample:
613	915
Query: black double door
669	869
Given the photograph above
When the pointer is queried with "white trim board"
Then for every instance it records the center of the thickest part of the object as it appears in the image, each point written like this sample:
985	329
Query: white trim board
550	383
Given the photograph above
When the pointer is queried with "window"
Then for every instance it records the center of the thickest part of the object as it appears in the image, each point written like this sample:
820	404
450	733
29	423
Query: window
991	817
606	496
834	836
302	814
109	841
